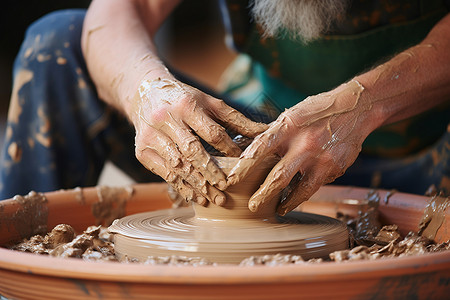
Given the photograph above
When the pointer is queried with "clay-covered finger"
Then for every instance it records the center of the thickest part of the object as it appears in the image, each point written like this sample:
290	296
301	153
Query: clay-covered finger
151	160
262	146
161	144
185	190
156	164
279	177
188	194
191	148
215	135
201	201
166	150
236	120
209	192
310	182
185	172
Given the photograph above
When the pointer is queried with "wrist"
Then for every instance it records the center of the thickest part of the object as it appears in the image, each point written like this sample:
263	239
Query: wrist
135	95
354	101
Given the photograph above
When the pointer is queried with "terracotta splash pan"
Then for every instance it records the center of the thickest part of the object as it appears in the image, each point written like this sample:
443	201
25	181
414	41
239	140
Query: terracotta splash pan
31	276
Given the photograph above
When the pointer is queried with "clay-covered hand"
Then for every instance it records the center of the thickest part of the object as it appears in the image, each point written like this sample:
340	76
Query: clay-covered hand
168	116
318	139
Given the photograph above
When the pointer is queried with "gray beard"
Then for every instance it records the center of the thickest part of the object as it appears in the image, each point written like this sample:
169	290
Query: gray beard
305	20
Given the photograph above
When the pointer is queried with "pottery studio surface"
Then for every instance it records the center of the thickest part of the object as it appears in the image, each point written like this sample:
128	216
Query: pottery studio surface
31	276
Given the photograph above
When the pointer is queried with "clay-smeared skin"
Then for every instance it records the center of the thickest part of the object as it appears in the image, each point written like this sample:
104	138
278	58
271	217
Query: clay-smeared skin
317	138
166	112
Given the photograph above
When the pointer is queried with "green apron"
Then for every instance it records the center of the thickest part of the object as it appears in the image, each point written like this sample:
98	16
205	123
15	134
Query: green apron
274	74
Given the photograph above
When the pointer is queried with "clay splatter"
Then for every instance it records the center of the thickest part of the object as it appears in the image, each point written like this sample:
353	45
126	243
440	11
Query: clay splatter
23	77
111	204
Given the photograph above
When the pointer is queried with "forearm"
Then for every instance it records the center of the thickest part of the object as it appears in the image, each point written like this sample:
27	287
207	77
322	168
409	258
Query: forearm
320	137
118	48
413	81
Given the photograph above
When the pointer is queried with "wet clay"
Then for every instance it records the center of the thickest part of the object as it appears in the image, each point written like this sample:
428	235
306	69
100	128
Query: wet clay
367	225
338	113
33	208
95	243
228	233
111	203
368	241
170	117
433	216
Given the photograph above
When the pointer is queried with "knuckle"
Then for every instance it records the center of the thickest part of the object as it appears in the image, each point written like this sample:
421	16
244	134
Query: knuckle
288	118
139	152
218	104
311	145
217	135
327	159
281	176
191	148
184	104
156	115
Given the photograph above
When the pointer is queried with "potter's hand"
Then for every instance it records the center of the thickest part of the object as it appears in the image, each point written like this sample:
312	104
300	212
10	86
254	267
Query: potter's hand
318	139
166	115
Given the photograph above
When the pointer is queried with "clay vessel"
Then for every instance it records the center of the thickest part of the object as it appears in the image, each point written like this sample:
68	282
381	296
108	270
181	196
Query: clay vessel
235	208
30	276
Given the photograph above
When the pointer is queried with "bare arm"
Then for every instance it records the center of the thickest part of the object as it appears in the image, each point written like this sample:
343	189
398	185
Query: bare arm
118	47
320	137
414	81
167	114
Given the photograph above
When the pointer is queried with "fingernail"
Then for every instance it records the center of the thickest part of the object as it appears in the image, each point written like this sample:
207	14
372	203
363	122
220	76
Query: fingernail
222	185
219	200
201	200
252	206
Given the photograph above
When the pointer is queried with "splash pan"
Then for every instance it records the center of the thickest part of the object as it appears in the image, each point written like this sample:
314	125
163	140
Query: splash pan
31	276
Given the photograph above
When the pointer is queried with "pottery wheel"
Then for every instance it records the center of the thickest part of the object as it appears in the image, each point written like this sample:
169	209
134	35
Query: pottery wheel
179	232
229	233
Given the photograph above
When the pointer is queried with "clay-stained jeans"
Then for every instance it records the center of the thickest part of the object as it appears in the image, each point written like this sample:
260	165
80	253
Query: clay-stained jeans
59	133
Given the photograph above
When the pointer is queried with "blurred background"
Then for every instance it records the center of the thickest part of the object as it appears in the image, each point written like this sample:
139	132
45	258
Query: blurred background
191	41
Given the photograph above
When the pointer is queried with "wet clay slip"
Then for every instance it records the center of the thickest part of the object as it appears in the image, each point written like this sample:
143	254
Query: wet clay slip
230	233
